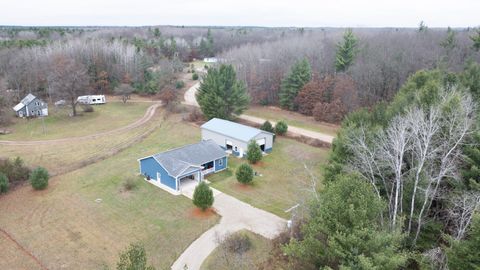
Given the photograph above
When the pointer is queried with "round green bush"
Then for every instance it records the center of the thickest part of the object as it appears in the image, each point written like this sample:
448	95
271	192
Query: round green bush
244	174
281	128
4	184
179	84
194	76
203	196
39	178
267	126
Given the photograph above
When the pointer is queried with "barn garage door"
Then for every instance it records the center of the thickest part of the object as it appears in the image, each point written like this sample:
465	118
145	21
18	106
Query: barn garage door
261	141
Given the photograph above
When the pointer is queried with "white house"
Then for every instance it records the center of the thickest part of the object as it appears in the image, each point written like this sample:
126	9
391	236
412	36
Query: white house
235	137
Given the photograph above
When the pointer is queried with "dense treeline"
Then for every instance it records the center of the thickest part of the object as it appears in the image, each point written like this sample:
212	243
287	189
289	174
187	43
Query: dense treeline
402	183
374	62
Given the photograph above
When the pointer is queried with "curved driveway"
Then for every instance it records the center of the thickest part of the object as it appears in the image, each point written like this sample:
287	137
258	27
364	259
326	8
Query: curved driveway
236	216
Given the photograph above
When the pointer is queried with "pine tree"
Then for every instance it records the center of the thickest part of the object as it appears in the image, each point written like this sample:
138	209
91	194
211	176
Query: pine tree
449	43
422	27
254	153
267	126
221	95
4	184
203	196
244	174
299	75
476	40
465	254
471	170
134	258
210	43
39	178
346	51
470	79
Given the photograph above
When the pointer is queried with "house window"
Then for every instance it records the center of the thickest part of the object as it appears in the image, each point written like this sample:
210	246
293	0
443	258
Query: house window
220	162
236	149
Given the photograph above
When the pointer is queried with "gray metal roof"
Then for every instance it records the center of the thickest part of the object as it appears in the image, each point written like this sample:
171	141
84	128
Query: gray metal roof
25	101
232	129
189	158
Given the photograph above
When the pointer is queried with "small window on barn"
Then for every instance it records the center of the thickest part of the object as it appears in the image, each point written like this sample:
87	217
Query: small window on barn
236	149
220	162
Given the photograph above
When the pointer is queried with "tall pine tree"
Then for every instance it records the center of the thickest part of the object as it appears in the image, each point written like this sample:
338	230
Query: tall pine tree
300	74
221	95
476	40
346	51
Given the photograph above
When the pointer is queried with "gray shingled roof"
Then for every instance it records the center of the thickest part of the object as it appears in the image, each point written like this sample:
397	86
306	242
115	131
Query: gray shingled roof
189	158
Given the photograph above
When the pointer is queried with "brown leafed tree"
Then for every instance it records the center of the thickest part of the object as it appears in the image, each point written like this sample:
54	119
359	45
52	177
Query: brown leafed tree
168	96
329	112
102	84
317	90
68	79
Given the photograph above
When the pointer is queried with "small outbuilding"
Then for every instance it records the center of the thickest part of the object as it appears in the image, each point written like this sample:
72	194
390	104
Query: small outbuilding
31	106
169	169
235	137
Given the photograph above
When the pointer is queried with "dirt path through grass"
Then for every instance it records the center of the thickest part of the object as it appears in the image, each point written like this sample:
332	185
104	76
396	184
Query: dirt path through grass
22	249
148	115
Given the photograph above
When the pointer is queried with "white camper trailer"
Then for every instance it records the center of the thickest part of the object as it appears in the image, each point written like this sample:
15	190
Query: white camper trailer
92	99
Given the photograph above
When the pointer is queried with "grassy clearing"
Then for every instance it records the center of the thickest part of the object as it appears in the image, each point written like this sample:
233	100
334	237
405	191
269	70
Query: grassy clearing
60	125
65	227
12	256
65	156
221	259
293	119
284	181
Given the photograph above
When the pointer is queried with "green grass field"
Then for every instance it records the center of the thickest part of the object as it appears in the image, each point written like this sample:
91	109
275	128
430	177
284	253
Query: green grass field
292	118
284	181
64	226
60	125
221	259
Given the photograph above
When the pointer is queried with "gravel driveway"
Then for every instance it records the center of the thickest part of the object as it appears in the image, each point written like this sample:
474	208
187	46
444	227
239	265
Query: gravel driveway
236	215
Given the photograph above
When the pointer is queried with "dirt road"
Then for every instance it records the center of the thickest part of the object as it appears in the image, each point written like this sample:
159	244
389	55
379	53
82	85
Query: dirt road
191	100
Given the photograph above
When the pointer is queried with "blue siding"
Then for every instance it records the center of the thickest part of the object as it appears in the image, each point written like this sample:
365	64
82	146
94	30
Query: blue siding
150	167
268	150
219	166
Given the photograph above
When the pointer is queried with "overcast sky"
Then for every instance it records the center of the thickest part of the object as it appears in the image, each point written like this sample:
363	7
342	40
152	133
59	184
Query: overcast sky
307	13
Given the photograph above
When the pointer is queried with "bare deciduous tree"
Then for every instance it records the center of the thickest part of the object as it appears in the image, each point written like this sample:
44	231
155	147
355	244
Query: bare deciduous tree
418	150
68	79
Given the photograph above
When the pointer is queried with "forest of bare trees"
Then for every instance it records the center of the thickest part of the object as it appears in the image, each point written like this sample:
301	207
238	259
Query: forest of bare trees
383	60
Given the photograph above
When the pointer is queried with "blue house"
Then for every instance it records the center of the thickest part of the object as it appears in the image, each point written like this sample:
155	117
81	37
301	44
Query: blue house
169	169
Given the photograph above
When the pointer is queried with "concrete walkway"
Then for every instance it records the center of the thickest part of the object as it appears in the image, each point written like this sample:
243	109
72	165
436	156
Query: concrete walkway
191	100
236	215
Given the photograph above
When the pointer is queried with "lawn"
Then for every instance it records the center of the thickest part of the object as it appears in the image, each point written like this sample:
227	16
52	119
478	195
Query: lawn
292	118
64	156
60	125
221	259
66	226
284	181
